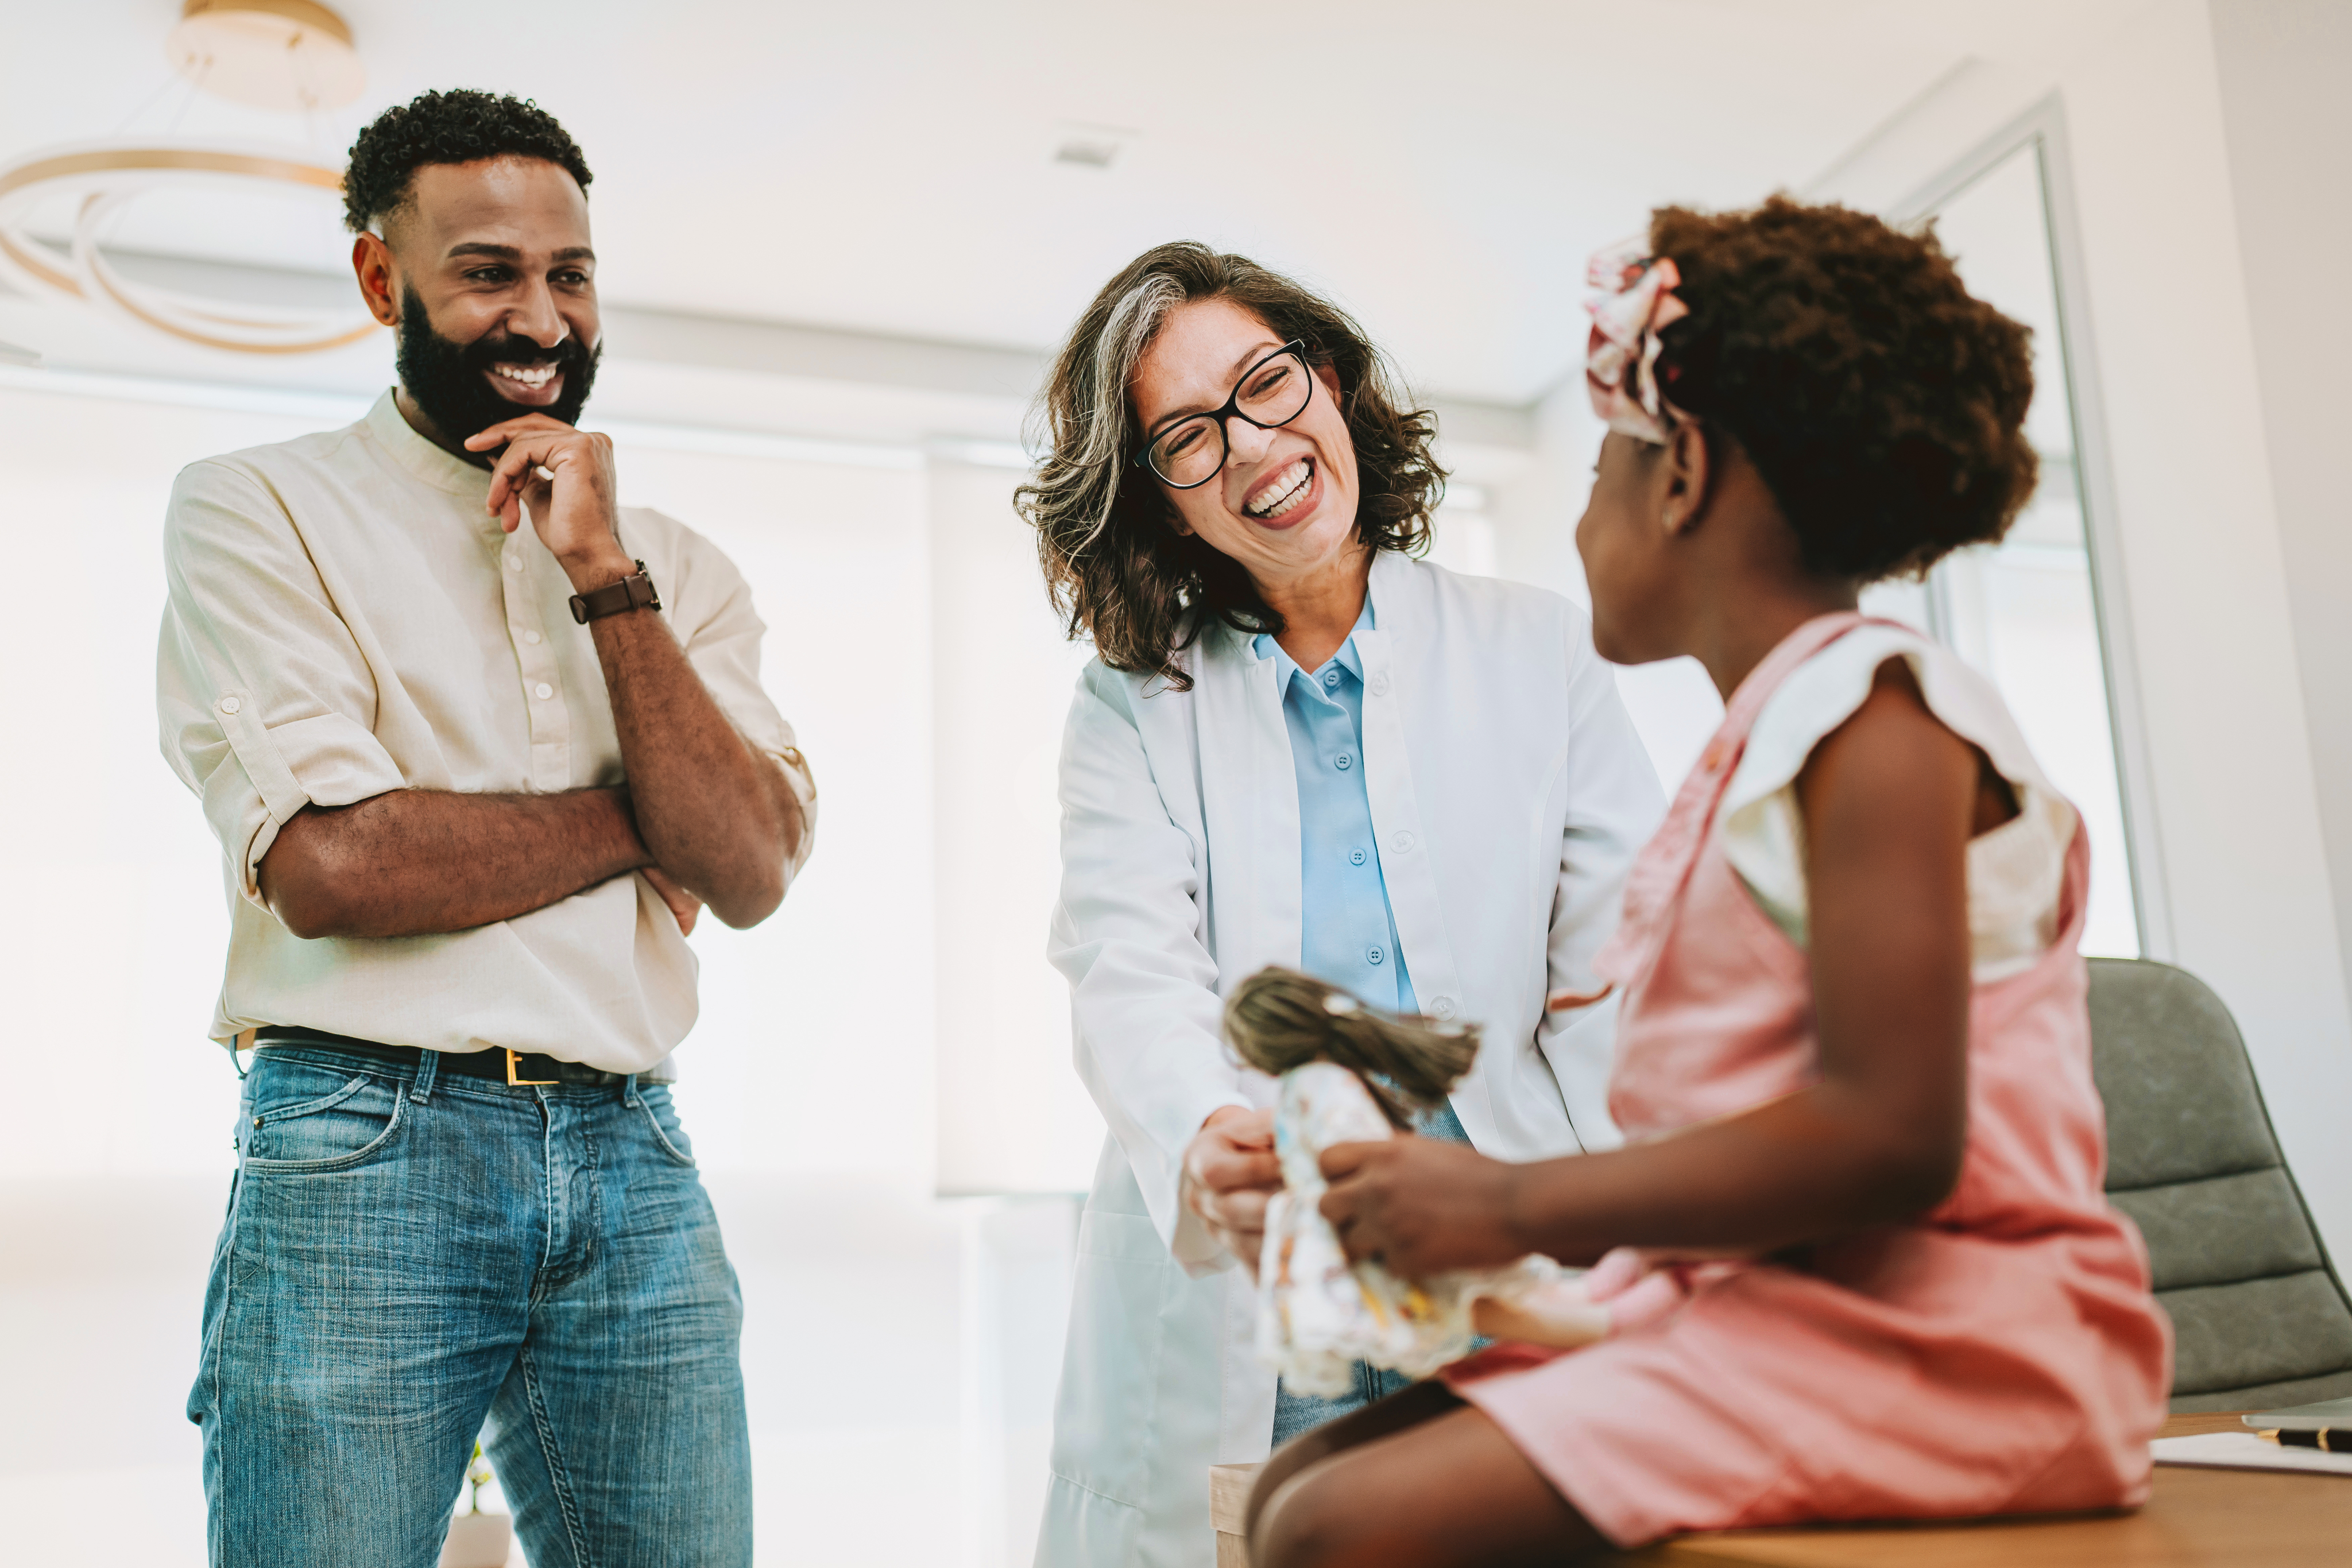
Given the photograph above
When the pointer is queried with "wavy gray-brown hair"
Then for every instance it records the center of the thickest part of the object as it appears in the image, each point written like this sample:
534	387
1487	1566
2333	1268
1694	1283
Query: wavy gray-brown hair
1116	569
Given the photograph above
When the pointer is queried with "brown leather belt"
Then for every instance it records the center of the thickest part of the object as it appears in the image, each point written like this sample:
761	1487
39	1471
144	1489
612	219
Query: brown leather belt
522	1069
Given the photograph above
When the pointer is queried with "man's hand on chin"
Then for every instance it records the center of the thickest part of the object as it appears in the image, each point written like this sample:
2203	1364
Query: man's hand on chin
575	511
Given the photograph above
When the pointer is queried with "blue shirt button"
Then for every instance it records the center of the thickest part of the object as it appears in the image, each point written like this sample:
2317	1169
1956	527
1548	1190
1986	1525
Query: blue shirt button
1374	954
1345	762
1330	677
1355	857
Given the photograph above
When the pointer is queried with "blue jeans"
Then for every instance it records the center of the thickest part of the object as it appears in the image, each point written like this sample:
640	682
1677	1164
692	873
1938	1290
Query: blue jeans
1297	1413
413	1258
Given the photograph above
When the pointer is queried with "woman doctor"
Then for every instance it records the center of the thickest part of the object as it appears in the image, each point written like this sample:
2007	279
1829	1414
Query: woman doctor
1298	745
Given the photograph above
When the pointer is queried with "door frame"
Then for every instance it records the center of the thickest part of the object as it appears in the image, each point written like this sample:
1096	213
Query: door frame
2043	130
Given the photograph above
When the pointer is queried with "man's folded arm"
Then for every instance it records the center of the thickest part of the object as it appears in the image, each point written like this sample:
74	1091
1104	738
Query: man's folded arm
414	862
719	793
268	710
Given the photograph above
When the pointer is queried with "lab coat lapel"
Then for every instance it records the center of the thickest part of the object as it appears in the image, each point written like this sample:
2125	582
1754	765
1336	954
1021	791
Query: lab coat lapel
1249	806
1398	666
1249	810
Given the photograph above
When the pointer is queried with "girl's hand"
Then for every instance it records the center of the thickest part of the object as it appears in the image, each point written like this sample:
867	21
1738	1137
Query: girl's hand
1418	1206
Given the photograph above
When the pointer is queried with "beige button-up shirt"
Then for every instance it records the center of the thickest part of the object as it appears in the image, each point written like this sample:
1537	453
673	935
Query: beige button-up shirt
345	618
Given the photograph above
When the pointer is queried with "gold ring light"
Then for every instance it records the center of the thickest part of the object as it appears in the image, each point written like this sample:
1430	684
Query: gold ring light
285	55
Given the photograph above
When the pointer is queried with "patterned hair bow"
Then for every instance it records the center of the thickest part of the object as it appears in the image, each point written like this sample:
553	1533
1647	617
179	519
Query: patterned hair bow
1621	357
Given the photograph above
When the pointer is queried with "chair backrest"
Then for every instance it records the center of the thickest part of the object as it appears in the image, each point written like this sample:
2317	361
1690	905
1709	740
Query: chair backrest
2259	1317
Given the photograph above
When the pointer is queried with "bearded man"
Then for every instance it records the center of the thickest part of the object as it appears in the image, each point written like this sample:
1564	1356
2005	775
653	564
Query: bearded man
478	744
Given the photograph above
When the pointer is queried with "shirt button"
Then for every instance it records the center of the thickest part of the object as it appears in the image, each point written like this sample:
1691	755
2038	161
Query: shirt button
1403	841
531	638
1442	1006
1380	684
544	690
1375	955
514	563
230	705
1330	677
1345	762
1355	857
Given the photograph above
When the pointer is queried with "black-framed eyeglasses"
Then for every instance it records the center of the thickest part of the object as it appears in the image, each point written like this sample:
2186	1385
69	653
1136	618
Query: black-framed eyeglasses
1270	394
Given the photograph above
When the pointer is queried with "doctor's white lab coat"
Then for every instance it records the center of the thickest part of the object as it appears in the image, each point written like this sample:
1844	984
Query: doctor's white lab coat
1508	794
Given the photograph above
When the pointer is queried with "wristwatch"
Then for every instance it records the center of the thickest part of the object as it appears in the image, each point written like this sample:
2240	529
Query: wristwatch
635	591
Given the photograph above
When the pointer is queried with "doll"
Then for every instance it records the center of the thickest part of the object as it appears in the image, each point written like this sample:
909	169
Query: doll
1352	1075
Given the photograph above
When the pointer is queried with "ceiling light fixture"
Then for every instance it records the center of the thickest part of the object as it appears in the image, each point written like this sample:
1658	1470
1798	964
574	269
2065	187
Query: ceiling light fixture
291	54
287	54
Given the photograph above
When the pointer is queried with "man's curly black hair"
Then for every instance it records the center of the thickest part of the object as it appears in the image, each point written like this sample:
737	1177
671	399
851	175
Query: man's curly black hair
456	127
1881	402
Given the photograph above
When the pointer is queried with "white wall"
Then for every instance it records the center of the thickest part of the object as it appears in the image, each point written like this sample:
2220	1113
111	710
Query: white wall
1012	1116
111	949
2285	75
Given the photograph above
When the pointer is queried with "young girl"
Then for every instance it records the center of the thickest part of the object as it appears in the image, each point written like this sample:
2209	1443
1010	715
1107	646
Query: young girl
1853	1060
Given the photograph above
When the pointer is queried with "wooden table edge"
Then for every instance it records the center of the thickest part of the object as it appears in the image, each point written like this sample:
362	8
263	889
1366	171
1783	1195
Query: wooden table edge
1229	1489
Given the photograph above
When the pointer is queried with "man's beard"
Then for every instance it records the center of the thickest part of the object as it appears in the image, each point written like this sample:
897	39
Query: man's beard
451	381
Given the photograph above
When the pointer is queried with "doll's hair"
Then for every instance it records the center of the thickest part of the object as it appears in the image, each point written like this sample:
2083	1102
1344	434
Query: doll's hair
1280	1018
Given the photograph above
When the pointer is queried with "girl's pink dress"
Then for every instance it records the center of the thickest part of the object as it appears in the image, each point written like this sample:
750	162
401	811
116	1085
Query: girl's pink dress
2000	1355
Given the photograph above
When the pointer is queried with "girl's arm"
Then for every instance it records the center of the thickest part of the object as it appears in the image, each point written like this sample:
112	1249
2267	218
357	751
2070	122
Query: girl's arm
1890	800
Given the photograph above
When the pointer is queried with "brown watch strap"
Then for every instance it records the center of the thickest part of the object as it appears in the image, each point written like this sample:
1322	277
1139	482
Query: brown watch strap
635	591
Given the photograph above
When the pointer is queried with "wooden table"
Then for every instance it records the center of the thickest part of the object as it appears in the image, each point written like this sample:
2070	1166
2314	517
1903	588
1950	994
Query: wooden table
2197	1518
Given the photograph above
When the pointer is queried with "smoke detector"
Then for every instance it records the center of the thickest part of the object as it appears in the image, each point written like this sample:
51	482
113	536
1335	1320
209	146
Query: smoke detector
1080	146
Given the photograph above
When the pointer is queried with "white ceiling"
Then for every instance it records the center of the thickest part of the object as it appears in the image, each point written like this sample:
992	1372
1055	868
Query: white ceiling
886	166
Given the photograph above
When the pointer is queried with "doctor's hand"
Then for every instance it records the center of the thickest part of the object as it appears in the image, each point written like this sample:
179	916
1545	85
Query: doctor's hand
1229	1171
1419	1205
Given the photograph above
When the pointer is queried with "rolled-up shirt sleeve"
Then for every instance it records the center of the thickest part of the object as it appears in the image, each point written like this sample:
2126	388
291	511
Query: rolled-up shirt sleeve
265	702
721	638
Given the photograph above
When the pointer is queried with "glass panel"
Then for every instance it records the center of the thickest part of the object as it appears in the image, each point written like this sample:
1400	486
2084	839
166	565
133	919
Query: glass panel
2023	610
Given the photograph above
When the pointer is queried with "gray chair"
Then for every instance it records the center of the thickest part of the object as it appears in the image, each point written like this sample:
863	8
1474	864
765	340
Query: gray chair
2259	1317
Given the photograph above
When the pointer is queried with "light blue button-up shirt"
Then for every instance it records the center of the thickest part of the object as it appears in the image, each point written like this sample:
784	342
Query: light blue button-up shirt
1347	936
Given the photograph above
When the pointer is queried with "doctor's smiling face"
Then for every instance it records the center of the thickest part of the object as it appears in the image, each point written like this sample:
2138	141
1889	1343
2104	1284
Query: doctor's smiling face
1284	504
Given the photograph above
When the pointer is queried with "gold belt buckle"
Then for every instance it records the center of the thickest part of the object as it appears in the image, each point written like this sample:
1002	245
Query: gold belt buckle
515	1056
